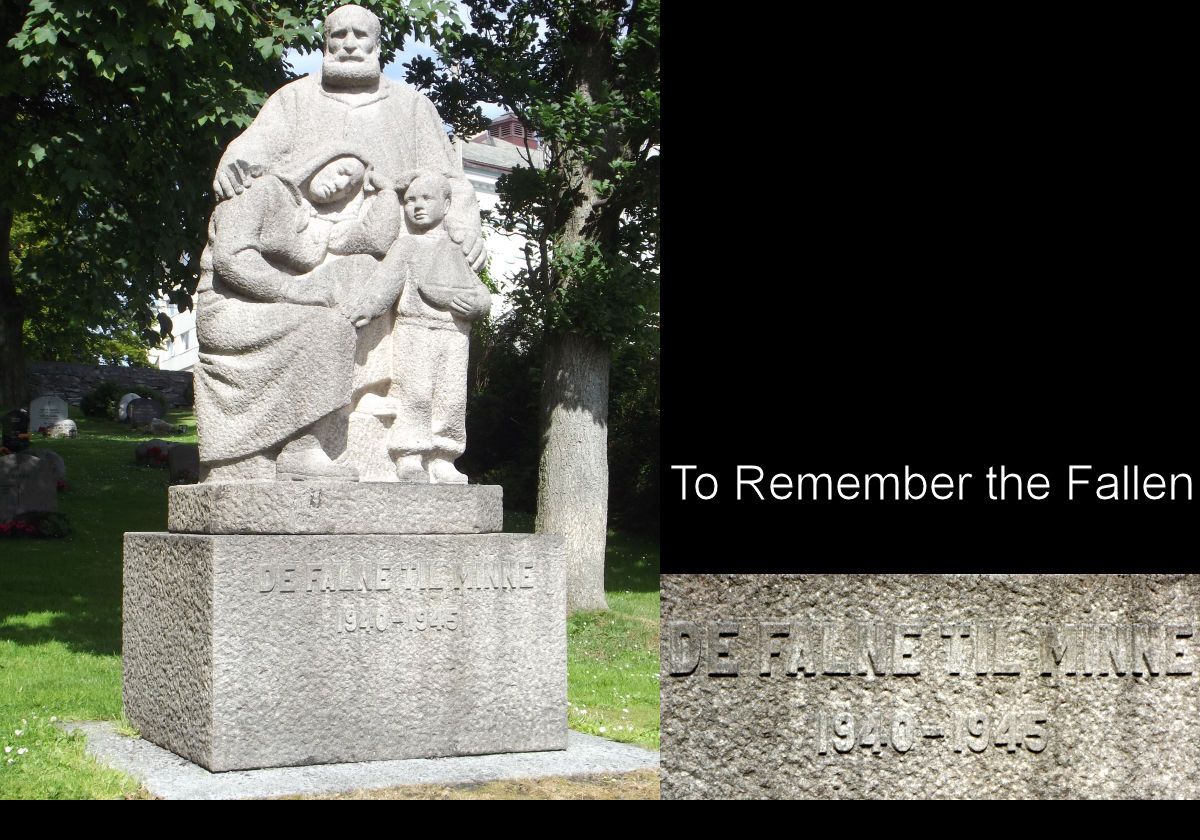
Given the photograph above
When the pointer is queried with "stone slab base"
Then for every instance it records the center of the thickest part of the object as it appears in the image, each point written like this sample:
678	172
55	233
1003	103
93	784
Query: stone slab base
335	507
931	686
263	651
168	776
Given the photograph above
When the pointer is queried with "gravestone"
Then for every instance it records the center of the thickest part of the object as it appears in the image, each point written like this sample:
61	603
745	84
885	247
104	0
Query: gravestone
64	429
45	412
27	484
334	590
153	453
16	430
162	427
123	406
924	686
183	463
143	410
60	466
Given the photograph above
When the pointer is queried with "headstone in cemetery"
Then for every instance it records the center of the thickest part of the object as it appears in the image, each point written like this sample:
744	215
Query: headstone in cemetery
27	484
143	410
123	406
64	429
60	466
16	430
162	427
153	453
46	412
920	686
334	590
183	463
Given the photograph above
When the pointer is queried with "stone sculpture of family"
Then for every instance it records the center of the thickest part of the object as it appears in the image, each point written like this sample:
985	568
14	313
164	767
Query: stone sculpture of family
338	285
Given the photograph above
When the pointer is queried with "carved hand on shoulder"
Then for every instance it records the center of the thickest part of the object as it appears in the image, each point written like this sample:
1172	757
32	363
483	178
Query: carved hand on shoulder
472	243
381	182
235	178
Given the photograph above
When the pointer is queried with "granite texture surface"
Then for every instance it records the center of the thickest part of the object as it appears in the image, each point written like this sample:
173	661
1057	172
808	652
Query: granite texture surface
924	686
262	651
335	507
170	777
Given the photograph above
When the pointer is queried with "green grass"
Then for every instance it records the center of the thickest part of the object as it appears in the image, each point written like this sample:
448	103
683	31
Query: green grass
612	656
60	625
60	615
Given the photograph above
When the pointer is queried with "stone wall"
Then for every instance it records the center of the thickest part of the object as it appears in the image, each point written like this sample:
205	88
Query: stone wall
71	381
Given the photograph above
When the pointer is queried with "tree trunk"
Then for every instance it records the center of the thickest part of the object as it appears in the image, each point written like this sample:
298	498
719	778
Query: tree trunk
12	319
573	469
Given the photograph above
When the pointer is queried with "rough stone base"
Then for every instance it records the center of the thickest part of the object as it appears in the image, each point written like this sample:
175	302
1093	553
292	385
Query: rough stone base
261	651
930	686
170	777
335	507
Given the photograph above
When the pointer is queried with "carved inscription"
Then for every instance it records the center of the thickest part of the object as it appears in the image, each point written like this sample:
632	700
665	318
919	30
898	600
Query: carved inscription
421	597
414	619
771	648
420	575
841	731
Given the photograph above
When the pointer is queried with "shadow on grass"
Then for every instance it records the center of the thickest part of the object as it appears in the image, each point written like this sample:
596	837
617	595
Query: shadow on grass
69	590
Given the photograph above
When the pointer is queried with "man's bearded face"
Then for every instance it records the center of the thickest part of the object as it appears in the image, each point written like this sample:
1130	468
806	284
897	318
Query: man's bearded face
351	47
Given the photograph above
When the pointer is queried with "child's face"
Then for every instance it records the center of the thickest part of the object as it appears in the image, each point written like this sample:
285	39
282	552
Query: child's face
425	203
337	180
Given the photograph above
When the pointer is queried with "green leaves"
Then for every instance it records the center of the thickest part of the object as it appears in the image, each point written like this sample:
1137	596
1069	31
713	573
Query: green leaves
37	153
583	78
266	46
201	17
115	113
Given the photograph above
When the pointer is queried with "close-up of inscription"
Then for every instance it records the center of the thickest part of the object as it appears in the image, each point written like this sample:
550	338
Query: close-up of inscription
363	619
930	686
421	575
843	732
733	647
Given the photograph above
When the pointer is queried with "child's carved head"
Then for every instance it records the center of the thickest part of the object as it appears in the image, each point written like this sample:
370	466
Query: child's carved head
426	200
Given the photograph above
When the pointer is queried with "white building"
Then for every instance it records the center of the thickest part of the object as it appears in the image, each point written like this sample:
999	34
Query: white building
485	157
181	351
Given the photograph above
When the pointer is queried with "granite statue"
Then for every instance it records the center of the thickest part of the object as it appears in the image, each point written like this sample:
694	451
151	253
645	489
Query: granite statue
332	320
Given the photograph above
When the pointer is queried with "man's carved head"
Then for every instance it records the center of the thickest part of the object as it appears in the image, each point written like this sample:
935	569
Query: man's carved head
351	47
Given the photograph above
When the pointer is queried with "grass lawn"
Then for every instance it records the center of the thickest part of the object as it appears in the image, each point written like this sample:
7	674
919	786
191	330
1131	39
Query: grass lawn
60	625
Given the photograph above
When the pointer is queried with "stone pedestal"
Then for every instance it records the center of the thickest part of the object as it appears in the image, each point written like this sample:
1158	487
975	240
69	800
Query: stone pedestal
246	650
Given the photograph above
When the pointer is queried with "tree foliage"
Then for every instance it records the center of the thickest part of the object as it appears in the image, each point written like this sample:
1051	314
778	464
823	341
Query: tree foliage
502	421
113	117
583	77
